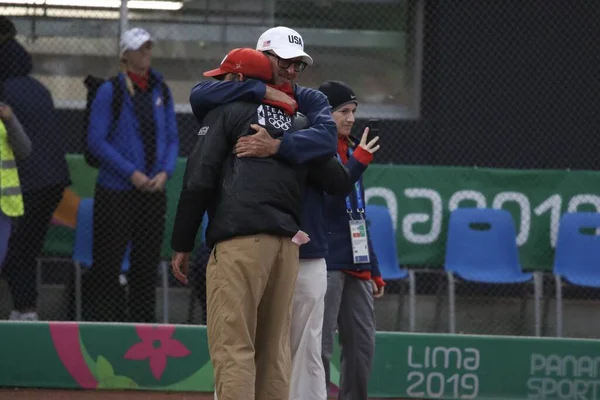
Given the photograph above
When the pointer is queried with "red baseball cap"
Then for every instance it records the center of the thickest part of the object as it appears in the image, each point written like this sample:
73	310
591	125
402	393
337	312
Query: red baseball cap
245	61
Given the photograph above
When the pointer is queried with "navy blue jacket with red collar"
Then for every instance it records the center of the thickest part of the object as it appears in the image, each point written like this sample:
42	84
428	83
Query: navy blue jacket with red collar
340	255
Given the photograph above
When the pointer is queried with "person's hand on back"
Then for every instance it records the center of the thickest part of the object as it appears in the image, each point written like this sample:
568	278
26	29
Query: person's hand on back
261	144
273	94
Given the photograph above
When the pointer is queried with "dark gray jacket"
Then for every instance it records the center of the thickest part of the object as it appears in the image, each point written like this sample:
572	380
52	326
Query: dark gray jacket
246	196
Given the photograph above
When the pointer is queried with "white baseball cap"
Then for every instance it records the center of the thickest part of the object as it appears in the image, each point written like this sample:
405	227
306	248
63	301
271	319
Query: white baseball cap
133	39
285	42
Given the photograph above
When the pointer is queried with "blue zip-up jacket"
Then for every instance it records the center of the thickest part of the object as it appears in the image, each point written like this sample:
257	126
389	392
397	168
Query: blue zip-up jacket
123	154
299	147
338	228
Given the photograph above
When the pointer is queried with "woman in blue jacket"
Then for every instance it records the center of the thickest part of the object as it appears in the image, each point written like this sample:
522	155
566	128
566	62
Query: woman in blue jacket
353	277
136	160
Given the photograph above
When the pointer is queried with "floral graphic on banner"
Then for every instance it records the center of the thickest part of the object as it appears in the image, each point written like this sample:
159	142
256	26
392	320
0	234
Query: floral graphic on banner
143	356
108	379
156	345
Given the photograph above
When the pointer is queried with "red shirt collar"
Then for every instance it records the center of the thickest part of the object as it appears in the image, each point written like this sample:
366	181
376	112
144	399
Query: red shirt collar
142	81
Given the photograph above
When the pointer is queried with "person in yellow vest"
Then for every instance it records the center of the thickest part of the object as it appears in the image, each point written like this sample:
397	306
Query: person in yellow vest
14	144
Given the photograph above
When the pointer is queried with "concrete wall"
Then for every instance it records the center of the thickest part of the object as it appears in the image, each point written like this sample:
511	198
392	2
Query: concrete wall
475	314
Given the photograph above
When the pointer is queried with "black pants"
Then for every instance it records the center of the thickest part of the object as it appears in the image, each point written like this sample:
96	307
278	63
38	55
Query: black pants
199	277
121	217
26	243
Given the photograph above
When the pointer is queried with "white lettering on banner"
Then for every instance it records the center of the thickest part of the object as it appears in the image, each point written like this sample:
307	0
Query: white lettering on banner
418	218
578	200
389	197
553	204
448	378
463	195
525	208
563	377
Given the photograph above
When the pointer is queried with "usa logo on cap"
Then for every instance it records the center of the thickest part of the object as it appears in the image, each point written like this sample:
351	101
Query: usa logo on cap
266	43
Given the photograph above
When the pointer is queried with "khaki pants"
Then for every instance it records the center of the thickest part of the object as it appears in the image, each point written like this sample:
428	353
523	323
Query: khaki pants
250	284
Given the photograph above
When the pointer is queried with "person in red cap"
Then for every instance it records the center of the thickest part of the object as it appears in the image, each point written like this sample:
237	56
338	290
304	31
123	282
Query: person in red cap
243	62
254	207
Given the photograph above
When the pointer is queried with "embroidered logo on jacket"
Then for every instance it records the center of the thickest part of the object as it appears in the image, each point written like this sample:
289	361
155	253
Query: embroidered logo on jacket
269	116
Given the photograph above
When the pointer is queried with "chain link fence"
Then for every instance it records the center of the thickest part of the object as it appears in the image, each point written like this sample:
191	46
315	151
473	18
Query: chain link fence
379	48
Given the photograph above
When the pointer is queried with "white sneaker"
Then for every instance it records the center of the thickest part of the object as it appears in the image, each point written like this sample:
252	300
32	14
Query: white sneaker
29	316
14	315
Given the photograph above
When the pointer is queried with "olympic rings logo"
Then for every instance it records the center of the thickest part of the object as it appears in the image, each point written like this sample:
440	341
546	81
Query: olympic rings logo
280	124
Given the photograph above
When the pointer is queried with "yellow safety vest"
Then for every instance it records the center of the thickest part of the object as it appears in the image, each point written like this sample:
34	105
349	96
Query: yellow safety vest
11	200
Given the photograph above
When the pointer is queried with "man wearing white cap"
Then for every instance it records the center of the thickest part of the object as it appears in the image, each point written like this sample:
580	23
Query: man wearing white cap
285	50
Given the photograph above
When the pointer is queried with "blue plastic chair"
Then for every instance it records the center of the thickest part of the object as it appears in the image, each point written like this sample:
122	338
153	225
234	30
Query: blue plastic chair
383	239
481	247
577	256
84	236
203	227
82	247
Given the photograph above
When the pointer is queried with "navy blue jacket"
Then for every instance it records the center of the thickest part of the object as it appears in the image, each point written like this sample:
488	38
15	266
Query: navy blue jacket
338	228
123	154
299	147
32	104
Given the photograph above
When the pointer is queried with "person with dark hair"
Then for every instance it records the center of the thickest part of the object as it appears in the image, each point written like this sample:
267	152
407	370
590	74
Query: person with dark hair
7	30
43	175
353	277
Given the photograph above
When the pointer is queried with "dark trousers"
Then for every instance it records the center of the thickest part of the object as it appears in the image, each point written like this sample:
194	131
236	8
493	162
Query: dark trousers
121	217
199	277
26	243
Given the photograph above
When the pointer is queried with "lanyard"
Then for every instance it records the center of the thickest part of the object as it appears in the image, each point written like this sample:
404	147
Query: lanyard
360	205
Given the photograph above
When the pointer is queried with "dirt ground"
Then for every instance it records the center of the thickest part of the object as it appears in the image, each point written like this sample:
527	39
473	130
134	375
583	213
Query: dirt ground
43	394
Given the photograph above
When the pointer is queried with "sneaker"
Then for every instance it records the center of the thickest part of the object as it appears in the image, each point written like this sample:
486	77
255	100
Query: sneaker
29	316
15	315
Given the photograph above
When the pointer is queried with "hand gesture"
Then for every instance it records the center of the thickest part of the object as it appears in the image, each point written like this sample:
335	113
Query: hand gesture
180	265
372	146
261	144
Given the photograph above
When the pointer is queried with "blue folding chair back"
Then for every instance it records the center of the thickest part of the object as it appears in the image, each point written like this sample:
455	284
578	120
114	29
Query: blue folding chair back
481	246
383	239
203	228
84	236
577	256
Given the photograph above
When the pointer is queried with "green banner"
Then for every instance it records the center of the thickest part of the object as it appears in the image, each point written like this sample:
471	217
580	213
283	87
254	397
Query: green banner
421	198
420	366
485	367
